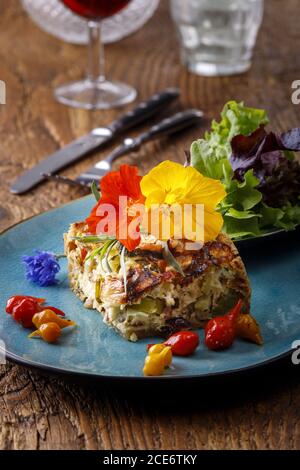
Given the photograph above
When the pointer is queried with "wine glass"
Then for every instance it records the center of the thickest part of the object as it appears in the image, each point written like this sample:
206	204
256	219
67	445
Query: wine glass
95	92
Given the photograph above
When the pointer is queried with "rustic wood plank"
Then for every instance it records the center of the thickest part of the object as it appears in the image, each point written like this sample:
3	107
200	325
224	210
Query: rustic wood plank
38	412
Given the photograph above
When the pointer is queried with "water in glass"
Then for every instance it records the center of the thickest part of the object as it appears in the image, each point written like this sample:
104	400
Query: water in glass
217	36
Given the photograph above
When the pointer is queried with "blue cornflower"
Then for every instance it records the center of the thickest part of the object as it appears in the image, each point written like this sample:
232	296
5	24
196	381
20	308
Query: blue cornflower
41	268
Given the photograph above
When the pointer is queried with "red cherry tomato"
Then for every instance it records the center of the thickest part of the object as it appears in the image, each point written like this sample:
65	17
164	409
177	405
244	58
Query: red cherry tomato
56	310
220	332
24	311
183	343
235	311
24	307
13	301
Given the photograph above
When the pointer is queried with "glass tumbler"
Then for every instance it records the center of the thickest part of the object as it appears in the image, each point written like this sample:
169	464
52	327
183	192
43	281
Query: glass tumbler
217	37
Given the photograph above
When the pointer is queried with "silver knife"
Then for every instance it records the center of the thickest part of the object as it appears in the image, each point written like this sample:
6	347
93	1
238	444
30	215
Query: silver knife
96	139
171	125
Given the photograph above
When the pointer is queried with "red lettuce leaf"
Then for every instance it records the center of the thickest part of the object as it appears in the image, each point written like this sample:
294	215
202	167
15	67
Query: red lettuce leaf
291	140
265	154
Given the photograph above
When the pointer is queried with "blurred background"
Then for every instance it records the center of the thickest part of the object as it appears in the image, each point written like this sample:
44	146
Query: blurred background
159	48
212	55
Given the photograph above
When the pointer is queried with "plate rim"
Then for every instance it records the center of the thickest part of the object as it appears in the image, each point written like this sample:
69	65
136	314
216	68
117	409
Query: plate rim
89	375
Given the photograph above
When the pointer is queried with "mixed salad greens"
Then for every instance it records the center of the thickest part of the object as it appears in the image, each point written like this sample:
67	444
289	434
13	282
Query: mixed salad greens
258	170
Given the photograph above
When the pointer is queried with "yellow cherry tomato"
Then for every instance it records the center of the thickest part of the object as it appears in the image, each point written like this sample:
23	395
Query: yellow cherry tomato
165	353
48	316
49	332
156	349
153	365
159	357
248	328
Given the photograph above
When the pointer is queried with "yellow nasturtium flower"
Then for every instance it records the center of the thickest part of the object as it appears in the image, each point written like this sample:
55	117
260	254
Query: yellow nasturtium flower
171	189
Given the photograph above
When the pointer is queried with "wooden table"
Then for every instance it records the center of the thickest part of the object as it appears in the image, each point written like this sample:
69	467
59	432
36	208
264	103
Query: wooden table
37	412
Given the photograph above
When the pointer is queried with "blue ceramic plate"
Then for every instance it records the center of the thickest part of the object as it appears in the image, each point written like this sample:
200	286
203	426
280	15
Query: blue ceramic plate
95	350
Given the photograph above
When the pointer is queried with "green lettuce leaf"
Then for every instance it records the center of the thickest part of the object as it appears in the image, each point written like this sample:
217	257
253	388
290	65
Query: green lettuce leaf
271	216
290	218
240	208
210	154
242	195
237	119
241	228
210	161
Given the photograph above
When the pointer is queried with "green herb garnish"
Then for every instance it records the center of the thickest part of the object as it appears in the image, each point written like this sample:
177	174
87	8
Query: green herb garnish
123	267
93	238
95	191
171	260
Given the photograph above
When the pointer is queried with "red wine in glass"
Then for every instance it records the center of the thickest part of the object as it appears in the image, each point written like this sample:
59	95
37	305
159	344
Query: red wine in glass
96	9
95	91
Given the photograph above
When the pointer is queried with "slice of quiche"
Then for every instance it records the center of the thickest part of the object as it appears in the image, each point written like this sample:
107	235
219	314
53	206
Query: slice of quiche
156	299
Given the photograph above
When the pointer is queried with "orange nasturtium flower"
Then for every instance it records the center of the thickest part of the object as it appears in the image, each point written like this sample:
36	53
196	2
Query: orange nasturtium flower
170	189
115	213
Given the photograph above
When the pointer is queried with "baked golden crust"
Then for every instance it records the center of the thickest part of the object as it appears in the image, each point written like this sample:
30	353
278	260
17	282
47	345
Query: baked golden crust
157	299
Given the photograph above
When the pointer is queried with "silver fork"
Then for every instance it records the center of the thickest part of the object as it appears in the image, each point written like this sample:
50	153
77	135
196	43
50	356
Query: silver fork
176	123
